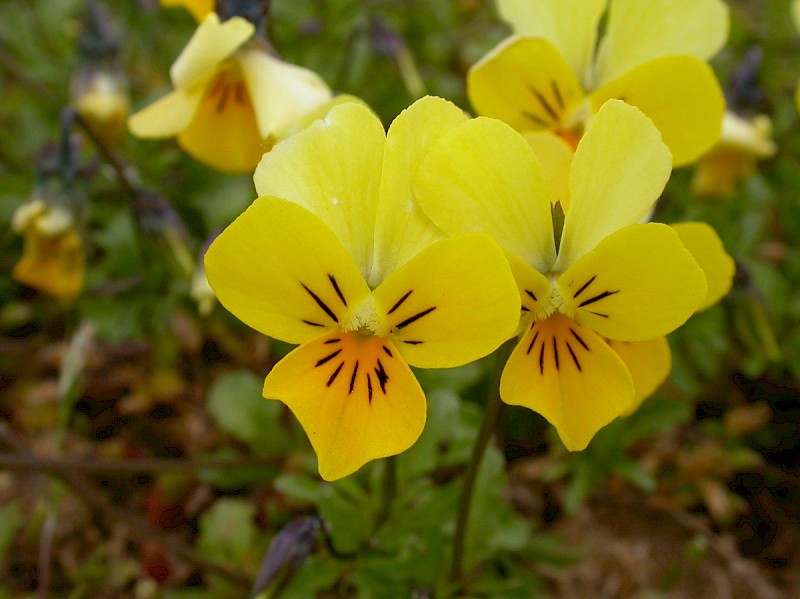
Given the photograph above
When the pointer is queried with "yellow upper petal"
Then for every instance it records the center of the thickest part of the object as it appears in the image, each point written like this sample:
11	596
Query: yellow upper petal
525	82
648	363
282	271
639	31
569	375
354	396
169	115
198	8
483	176
619	170
555	156
681	95
570	25
282	93
401	229
706	247
212	43
454	302
637	284
333	169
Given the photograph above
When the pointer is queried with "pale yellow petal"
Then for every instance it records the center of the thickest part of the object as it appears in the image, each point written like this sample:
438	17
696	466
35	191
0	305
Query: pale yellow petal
354	396
483	176
555	156
526	83
212	43
280	270
648	362
618	172
681	95
569	375
282	93
637	284
402	230
167	116
333	169
639	31
454	302
705	245
570	25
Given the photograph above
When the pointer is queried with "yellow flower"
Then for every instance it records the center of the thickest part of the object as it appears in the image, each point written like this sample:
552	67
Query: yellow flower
200	9
548	76
100	97
232	100
335	256
53	258
734	157
609	278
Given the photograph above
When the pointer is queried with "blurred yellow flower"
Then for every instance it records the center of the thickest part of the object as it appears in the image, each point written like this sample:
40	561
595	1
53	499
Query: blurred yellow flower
53	257
100	97
336	257
199	8
604	276
232	100
548	76
742	144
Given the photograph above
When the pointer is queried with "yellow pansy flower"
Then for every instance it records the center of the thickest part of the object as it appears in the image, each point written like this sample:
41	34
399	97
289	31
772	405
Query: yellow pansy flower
548	77
610	277
53	258
199	8
336	257
733	158
232	100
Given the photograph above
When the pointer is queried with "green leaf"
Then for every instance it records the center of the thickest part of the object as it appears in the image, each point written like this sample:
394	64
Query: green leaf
298	487
227	530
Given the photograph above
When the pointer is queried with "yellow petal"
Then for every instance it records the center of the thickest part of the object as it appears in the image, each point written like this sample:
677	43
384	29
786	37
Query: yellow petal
641	31
167	116
280	270
705	245
198	8
618	172
282	93
454	302
483	176
569	375
332	169
570	25
637	284
648	362
555	156
681	95
212	43
52	264
354	396
223	133
402	230
526	83
533	286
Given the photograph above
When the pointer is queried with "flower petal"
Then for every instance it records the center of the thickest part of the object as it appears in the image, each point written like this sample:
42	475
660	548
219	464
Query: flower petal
483	176
618	172
282	93
211	44
569	375
648	362
570	25
525	82
198	8
167	116
681	95
223	132
637	284
279	269
332	169
641	31
706	247
354	396
534	288
402	230
555	156
454	302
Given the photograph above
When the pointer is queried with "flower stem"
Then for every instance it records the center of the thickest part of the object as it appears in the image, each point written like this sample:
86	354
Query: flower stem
490	417
388	491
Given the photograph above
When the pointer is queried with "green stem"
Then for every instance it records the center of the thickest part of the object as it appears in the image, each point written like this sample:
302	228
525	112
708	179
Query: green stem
490	417
388	492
